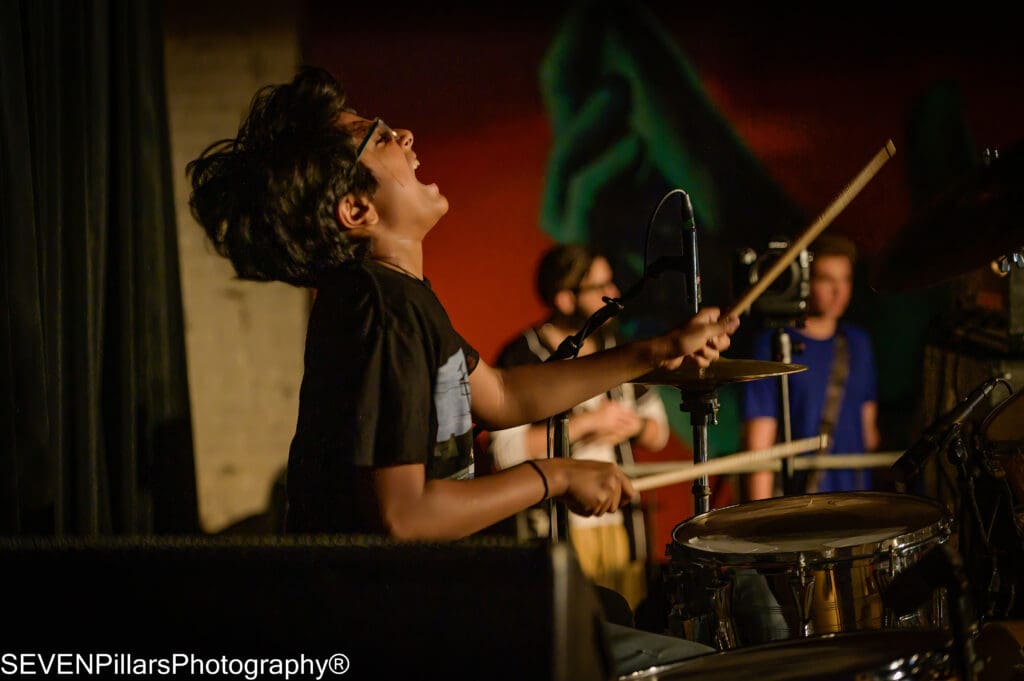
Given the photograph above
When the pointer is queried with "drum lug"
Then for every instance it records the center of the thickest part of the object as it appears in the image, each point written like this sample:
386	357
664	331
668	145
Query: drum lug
802	586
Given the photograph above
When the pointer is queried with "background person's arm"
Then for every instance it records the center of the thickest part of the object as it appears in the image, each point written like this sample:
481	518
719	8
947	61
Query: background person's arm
869	422
760	433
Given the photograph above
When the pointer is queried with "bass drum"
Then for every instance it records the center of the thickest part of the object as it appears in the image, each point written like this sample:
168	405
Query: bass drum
795	567
890	655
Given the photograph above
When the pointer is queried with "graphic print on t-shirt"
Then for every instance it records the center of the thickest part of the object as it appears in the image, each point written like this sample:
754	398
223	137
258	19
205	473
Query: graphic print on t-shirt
452	404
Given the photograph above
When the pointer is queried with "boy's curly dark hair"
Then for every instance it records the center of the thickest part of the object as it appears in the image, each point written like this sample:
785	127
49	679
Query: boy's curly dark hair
267	197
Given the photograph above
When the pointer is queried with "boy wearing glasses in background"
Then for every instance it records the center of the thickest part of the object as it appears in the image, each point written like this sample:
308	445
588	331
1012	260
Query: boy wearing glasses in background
572	281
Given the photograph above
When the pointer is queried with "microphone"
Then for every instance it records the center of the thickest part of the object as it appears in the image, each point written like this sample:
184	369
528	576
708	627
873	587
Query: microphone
909	465
689	235
687	212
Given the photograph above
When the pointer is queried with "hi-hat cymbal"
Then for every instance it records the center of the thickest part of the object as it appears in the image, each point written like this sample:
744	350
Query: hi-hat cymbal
977	220
693	378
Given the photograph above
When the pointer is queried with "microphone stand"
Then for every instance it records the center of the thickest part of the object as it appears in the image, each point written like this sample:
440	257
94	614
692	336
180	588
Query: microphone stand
703	408
559	423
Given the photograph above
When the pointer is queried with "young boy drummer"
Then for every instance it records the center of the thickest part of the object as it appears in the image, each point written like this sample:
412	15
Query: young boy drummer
313	194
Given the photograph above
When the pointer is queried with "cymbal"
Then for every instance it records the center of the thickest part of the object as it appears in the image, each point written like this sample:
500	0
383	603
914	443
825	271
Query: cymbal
978	219
722	371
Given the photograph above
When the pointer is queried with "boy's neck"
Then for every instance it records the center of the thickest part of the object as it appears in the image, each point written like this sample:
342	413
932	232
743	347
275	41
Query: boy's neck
820	328
401	254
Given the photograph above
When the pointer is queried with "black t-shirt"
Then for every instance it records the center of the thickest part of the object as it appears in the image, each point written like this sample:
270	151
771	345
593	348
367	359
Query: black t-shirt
386	382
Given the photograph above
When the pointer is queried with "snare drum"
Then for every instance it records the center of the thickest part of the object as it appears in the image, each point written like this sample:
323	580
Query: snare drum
799	566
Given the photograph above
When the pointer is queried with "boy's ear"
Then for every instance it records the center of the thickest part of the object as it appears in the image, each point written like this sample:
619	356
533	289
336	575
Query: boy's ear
355	211
565	302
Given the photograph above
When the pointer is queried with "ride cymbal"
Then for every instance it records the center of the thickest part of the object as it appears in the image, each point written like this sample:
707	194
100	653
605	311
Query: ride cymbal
693	378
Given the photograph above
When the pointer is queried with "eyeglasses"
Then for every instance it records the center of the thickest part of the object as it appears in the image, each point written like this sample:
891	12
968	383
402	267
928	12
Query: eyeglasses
381	132
593	287
378	127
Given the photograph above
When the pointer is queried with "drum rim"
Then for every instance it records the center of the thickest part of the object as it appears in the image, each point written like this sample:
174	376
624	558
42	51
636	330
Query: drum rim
932	635
938	531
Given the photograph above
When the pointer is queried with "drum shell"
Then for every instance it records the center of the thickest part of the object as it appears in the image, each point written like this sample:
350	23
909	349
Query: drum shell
729	599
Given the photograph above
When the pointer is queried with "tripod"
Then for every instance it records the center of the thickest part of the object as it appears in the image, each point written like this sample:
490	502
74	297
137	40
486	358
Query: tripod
782	351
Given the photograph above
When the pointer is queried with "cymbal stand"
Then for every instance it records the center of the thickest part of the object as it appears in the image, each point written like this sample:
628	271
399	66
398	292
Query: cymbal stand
703	408
988	542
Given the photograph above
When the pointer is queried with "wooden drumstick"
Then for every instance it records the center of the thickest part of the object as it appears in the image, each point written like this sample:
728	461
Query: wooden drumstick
820	462
732	463
817	227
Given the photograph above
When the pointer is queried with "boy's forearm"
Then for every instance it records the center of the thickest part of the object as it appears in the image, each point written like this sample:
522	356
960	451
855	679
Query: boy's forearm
535	392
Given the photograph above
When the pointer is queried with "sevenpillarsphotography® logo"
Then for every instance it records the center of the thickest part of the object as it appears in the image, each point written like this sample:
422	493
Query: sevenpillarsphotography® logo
106	665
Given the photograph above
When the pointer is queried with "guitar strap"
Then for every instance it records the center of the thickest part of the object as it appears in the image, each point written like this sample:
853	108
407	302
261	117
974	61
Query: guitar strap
833	401
633	515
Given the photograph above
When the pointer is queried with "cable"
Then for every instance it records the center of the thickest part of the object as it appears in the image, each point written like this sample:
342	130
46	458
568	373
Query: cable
650	224
1009	388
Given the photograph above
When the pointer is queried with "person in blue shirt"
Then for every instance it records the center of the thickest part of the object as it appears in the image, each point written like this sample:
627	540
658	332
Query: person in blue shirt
856	428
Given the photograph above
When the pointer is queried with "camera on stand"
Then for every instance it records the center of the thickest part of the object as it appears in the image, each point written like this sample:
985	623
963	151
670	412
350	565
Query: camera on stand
784	303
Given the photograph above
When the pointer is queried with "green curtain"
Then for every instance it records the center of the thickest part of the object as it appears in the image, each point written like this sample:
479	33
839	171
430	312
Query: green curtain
95	436
630	122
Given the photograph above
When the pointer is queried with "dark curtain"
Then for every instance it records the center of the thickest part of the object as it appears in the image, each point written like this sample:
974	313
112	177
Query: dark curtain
95	436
